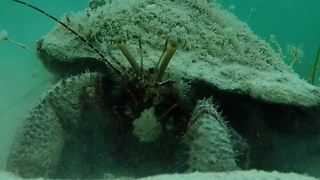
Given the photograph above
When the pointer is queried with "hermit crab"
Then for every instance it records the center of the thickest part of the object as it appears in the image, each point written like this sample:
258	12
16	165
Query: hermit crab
226	101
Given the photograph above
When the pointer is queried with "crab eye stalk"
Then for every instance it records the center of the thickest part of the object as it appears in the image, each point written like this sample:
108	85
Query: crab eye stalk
164	61
123	48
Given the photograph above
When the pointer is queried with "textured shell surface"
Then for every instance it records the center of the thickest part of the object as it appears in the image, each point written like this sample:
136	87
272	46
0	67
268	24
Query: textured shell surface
214	46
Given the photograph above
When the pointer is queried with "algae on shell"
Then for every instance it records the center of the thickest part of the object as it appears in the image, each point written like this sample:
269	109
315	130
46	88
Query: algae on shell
215	47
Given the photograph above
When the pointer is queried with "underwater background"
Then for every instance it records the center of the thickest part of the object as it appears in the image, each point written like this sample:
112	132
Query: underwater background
23	79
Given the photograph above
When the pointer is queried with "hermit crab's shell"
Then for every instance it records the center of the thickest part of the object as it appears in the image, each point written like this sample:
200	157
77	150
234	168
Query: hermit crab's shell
215	47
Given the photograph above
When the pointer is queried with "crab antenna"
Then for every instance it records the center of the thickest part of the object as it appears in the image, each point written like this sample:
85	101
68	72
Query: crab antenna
123	48
141	57
163	52
73	32
315	67
164	61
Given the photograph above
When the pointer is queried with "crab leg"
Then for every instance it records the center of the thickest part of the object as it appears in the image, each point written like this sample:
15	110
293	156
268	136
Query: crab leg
37	148
211	147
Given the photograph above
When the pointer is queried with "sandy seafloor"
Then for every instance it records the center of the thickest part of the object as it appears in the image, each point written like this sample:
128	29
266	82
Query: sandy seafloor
23	79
